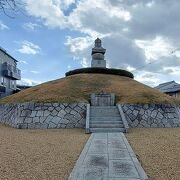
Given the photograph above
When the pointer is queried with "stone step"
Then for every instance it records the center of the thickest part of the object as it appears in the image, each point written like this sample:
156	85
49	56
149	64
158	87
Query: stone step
105	113
107	130
106	125
98	118
106	122
105	119
103	107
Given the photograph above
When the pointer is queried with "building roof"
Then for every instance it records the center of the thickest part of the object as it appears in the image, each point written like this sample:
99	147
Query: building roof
170	86
5	52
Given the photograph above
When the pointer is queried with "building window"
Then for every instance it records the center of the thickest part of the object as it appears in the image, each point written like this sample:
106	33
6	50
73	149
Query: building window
3	81
12	84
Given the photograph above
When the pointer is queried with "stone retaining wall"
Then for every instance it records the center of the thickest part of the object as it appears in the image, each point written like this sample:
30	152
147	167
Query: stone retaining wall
44	115
152	115
73	115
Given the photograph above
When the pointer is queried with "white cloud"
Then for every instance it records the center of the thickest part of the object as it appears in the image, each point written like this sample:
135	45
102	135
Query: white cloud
79	47
130	68
52	13
23	62
69	67
49	11
147	78
176	53
3	26
35	72
29	48
79	44
28	82
172	70
156	48
30	26
125	29
150	4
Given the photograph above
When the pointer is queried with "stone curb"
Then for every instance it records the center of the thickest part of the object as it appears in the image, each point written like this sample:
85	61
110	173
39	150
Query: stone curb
123	117
138	166
74	175
87	118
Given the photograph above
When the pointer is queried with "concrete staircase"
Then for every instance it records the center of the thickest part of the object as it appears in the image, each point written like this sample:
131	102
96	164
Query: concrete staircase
105	119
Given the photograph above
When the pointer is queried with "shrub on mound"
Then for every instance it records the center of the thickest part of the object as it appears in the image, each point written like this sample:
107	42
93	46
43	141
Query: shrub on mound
119	72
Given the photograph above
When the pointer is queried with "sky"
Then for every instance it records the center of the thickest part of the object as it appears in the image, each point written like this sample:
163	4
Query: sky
51	37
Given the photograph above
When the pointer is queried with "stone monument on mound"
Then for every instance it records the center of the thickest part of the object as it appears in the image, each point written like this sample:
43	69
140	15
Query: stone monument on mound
98	55
98	64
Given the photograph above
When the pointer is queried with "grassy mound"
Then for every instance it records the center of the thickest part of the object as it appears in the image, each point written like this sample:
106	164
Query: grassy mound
77	88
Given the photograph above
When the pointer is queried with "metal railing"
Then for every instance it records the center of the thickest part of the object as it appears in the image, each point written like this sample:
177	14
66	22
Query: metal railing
11	71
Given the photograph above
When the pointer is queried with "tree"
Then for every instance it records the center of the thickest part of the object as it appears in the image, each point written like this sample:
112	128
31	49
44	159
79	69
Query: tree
8	6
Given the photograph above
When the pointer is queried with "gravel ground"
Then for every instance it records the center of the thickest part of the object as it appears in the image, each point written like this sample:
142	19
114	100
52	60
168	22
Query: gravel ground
158	151
51	154
39	154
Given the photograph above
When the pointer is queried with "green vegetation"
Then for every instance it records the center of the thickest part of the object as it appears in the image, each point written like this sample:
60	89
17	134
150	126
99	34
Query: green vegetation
78	88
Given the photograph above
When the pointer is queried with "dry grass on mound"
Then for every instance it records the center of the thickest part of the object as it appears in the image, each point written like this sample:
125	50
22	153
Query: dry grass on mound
77	88
39	154
158	151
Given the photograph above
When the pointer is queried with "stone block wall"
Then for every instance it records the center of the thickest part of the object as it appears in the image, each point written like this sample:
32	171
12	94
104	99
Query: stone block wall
152	115
9	114
44	115
73	115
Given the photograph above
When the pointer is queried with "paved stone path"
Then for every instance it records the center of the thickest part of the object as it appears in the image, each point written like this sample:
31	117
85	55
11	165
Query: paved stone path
107	156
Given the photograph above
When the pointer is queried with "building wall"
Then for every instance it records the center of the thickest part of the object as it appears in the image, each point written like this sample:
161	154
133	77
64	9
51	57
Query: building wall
174	94
177	94
5	81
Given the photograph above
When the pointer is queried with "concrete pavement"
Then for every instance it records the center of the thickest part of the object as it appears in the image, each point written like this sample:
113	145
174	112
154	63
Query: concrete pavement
107	156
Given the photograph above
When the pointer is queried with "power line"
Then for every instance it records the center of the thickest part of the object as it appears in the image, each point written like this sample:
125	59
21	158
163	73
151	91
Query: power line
141	67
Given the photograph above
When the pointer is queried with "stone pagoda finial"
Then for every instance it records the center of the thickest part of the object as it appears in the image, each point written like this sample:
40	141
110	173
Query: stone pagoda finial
97	43
98	55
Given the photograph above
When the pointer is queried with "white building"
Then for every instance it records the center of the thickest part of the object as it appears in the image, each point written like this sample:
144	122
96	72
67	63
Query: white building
9	73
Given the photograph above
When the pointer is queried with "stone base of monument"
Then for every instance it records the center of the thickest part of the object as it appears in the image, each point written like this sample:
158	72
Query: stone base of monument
102	99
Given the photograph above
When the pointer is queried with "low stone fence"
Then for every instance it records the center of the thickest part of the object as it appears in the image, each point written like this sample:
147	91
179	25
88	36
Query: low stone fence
152	115
73	115
44	115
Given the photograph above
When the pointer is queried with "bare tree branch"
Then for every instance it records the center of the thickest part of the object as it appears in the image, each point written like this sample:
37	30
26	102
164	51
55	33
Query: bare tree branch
11	6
